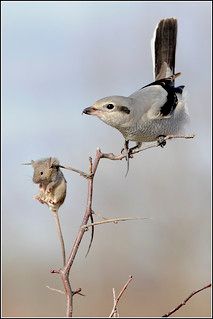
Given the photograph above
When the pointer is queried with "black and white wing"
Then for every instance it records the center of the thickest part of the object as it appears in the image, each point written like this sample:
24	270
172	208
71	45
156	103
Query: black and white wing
160	98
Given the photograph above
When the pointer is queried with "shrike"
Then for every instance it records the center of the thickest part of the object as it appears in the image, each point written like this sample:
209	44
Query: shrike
157	109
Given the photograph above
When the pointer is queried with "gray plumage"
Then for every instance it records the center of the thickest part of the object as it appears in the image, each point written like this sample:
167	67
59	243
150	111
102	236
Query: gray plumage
159	108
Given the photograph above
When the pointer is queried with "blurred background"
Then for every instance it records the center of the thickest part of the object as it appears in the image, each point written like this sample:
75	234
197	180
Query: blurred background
58	58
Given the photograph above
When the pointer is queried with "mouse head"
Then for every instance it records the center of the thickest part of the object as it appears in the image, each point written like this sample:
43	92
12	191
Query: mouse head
44	170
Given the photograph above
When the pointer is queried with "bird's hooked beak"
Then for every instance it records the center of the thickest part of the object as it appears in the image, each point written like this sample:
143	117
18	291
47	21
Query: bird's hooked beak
89	110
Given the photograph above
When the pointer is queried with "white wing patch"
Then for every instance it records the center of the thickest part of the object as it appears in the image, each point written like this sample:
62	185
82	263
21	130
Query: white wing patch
153	51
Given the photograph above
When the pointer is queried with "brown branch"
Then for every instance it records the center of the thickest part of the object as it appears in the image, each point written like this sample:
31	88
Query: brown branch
116	301
88	211
115	314
113	157
60	235
81	173
66	270
185	301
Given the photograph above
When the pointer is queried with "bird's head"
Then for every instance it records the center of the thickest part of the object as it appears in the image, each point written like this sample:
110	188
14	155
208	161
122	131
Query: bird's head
113	110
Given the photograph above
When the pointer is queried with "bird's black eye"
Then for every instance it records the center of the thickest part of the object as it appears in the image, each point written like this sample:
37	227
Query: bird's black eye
41	173
110	106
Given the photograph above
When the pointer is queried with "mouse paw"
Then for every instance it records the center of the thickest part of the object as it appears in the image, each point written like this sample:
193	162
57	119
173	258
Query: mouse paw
50	201
49	190
37	197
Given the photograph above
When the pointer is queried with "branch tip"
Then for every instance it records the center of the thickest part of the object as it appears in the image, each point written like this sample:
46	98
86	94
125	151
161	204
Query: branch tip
185	301
116	300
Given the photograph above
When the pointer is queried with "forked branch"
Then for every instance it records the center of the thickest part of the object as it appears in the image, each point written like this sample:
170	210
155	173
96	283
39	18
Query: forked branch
116	300
64	272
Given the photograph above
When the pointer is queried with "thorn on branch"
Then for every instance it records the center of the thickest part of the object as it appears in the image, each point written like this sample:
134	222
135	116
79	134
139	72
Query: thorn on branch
53	271
78	291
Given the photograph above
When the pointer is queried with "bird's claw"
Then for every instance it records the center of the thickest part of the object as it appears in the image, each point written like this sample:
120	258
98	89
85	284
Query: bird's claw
161	141
127	153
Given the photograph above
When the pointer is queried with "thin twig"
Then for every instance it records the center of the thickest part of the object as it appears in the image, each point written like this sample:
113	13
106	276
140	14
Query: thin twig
113	220
116	314
168	137
119	296
60	235
185	301
81	173
113	157
57	290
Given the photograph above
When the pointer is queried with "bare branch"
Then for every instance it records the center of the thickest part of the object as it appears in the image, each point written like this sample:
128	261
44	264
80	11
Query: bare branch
113	157
119	297
185	301
60	235
81	173
113	220
169	137
88	212
66	270
116	314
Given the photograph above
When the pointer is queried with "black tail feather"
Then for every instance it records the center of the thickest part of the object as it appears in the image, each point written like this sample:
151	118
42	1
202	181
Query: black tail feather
165	48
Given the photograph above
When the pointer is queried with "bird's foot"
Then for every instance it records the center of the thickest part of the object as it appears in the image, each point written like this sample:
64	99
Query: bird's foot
161	140
128	154
135	148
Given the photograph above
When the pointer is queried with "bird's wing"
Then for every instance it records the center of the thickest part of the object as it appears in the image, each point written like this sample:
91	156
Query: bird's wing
150	100
159	98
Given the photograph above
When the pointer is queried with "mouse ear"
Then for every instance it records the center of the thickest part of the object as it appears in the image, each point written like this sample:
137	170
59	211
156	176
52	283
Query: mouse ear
50	162
53	162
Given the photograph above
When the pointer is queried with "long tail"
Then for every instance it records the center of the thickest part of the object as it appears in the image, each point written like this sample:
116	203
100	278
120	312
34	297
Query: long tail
164	48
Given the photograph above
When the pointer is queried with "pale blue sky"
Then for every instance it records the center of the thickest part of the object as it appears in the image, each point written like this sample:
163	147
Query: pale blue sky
58	58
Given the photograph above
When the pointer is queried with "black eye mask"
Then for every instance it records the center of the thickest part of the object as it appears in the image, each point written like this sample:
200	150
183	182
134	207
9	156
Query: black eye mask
124	109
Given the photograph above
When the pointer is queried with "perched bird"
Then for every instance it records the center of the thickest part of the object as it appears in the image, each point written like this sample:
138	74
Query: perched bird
157	109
